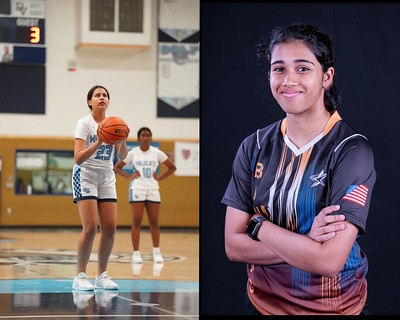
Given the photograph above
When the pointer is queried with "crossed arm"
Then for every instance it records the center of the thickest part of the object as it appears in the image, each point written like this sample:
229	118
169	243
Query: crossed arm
324	250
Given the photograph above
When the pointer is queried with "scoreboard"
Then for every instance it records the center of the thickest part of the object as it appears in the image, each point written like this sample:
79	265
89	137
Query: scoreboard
22	31
23	56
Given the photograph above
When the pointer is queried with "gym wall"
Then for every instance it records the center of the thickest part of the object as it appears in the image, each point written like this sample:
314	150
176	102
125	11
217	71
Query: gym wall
179	194
72	67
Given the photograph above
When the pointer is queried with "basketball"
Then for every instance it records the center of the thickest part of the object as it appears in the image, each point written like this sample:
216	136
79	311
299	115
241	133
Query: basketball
112	130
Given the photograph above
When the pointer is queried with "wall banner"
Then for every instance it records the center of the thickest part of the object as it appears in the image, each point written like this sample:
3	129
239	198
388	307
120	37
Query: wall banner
178	73
187	159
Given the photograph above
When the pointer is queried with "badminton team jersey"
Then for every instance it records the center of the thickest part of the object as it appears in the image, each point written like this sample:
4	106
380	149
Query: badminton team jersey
290	186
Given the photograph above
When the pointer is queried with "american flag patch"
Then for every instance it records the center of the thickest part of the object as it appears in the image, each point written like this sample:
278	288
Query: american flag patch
357	194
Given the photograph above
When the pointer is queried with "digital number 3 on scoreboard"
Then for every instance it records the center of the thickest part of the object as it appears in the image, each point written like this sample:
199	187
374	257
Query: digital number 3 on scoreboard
29	31
35	35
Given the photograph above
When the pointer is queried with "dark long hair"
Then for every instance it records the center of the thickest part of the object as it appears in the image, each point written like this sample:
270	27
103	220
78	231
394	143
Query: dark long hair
90	93
319	44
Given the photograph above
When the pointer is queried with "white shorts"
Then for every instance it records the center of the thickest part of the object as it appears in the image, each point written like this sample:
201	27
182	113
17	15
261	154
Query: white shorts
143	195
88	183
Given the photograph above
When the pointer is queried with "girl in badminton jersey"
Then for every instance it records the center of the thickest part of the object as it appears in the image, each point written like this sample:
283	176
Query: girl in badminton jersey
293	174
94	191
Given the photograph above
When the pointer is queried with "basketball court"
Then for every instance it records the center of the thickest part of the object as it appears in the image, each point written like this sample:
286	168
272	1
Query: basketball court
37	266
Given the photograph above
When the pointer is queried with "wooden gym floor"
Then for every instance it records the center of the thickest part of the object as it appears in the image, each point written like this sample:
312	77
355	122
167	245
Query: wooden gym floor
37	266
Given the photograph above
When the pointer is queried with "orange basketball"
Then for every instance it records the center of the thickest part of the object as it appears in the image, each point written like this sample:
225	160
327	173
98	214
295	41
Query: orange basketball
112	130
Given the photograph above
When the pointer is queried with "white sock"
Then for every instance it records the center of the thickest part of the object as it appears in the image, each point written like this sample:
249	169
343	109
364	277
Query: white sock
156	250
136	252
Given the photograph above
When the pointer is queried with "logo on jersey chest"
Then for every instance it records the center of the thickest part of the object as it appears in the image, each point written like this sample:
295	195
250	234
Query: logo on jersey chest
258	172
318	179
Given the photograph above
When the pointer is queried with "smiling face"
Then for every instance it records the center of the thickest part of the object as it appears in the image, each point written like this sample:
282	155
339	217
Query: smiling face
296	78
